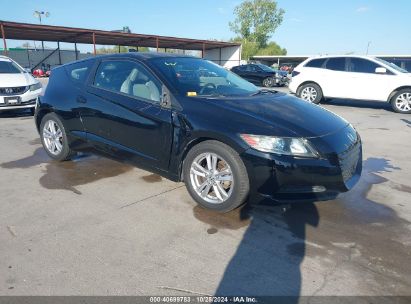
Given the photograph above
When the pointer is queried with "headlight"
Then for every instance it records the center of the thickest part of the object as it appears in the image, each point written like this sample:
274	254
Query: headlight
35	87
280	145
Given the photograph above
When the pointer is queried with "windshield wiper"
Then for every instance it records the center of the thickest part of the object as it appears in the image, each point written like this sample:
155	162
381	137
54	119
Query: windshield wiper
263	91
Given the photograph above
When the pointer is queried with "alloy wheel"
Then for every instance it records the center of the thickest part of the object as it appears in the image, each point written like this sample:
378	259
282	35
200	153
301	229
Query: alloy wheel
53	137
309	94
403	102
212	178
268	82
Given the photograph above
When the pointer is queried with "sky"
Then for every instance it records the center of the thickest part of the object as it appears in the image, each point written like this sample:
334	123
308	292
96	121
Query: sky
309	27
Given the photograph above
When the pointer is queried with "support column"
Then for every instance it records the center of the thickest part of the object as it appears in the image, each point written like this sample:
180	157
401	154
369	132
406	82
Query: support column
94	43
58	46
157	43
203	51
4	39
119	48
220	60
75	50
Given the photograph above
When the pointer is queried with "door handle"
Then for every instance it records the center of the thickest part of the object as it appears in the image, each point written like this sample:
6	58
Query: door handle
81	99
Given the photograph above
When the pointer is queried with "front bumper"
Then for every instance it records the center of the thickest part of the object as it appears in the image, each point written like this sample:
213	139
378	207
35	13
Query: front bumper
22	101
287	179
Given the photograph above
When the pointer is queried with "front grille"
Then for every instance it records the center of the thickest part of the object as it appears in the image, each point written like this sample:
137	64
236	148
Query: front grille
349	160
13	91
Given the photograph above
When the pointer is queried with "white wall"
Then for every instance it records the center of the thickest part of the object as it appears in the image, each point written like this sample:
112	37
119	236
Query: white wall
226	57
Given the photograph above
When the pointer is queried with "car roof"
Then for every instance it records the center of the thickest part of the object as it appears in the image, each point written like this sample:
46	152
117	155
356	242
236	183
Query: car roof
143	56
146	55
340	56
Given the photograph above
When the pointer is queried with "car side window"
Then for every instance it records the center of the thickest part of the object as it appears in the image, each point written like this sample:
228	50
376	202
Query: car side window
78	72
251	68
360	65
128	77
315	63
335	64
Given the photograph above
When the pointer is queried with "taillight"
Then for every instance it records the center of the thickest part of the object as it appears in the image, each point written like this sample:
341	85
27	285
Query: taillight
295	73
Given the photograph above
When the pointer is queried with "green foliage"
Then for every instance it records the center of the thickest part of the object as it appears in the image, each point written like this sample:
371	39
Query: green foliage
272	48
257	20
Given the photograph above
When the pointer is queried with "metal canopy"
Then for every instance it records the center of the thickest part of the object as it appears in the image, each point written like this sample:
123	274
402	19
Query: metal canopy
28	31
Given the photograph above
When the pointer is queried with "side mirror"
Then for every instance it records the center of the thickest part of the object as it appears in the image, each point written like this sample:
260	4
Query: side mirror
381	70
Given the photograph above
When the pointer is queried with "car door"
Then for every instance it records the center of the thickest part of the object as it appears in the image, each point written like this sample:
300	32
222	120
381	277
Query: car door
256	74
243	72
334	78
123	115
365	83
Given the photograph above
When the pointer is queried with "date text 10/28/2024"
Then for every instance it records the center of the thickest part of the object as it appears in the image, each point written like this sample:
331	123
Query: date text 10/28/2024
202	299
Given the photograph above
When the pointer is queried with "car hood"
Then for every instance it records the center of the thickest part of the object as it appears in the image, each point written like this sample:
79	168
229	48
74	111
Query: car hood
284	115
16	80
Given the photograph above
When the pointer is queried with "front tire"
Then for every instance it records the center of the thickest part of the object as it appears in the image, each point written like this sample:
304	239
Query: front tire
268	82
54	138
310	92
401	101
215	176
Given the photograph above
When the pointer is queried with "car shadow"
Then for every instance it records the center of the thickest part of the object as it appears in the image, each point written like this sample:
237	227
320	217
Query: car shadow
16	113
369	104
268	259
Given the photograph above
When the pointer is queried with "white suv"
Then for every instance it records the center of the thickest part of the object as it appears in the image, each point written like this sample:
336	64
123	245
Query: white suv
18	89
352	77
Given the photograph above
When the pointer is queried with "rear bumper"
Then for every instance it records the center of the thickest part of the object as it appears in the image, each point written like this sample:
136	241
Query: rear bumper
292	86
288	179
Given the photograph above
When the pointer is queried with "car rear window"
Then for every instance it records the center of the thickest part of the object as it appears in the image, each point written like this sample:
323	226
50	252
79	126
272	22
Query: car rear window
315	63
9	67
79	71
336	64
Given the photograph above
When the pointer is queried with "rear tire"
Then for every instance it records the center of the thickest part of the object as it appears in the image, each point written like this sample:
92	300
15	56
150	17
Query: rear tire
54	138
401	101
310	92
215	176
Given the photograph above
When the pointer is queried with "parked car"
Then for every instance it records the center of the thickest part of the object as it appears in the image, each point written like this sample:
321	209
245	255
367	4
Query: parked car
221	135
260	75
44	71
353	77
18	89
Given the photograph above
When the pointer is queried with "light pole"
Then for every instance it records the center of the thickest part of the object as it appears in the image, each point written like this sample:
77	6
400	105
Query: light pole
368	47
38	15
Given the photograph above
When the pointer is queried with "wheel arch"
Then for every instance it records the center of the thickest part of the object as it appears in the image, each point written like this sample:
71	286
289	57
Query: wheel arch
39	117
396	91
307	82
197	140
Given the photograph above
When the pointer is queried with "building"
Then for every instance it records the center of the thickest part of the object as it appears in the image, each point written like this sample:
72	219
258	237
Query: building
227	54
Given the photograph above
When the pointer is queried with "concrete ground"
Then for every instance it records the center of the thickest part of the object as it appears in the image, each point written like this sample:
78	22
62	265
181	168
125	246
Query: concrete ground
93	226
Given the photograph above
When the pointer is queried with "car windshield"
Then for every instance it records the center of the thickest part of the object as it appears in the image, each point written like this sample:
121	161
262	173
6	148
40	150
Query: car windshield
392	65
9	67
265	68
198	77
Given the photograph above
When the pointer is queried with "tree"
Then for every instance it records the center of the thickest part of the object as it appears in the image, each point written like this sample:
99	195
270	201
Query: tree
26	45
272	48
257	20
